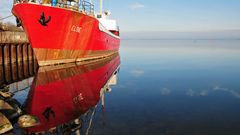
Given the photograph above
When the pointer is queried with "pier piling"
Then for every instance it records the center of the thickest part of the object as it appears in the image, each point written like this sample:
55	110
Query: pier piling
17	60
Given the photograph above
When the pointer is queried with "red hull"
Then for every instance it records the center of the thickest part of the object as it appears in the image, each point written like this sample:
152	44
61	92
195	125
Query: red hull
69	91
68	37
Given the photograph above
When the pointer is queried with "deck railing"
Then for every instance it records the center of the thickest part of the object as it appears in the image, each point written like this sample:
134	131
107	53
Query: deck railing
77	5
86	7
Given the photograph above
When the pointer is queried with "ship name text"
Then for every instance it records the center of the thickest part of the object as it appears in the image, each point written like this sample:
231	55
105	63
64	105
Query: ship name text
76	29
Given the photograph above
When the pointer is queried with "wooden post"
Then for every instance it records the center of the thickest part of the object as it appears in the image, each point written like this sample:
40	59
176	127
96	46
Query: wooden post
17	70
30	60
7	73
1	55
19	61
19	53
13	53
1	75
13	64
0	38
10	61
30	65
25	50
1	65
6	55
14	70
29	52
25	60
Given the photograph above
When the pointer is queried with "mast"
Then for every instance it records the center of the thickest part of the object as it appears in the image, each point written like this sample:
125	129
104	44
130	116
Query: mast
101	6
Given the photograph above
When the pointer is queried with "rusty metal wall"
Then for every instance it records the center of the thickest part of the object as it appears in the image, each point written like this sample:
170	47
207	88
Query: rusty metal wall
15	52
14	47
17	60
13	37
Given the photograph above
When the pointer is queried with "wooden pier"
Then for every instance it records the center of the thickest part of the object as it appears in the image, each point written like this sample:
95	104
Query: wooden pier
17	60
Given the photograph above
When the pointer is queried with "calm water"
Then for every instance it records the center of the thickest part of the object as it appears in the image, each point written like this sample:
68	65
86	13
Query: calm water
164	87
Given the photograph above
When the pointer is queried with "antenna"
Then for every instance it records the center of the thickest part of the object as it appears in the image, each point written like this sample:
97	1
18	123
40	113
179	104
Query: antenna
101	6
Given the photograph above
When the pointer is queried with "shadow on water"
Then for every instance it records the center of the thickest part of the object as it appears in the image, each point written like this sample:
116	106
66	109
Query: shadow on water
59	100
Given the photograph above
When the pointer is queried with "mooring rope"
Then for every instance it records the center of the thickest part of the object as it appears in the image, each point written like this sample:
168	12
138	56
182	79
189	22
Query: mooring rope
5	17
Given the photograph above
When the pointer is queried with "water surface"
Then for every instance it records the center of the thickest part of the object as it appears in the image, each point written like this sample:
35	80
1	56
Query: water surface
164	87
176	87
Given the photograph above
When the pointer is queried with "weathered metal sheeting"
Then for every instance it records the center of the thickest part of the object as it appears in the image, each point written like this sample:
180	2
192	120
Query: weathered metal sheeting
1	56
13	52
13	37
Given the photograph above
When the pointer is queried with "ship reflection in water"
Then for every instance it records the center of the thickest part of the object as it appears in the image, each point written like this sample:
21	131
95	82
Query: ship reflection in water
62	99
165	87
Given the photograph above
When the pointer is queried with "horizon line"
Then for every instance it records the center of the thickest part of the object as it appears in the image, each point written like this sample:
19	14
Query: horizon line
182	31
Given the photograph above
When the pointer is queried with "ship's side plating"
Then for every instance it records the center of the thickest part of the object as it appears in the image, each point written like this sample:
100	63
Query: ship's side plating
60	35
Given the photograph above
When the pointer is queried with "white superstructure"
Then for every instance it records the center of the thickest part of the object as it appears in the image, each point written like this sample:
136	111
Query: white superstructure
109	24
104	19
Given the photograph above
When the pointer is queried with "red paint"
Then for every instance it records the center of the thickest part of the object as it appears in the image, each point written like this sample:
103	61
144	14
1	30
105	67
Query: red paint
69	92
67	30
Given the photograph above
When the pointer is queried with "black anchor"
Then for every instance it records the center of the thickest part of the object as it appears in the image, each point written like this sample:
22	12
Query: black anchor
47	112
43	20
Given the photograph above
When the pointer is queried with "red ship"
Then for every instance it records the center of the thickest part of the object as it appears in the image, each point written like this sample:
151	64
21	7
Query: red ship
68	91
67	31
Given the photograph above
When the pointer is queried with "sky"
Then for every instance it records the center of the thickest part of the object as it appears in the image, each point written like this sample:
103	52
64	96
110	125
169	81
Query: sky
176	15
167	15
